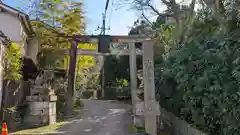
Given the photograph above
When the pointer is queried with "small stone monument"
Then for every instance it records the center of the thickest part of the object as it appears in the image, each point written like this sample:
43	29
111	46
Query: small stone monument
42	101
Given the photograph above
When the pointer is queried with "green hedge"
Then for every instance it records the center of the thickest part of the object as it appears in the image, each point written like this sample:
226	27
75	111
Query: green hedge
200	79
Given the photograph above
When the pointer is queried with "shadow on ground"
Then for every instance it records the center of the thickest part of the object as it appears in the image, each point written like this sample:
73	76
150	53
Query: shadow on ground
99	117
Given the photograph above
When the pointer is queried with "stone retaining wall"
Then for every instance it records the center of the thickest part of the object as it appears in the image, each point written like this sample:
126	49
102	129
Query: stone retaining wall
179	127
42	113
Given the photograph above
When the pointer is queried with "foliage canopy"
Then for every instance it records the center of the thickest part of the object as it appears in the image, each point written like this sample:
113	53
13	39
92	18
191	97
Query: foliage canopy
197	76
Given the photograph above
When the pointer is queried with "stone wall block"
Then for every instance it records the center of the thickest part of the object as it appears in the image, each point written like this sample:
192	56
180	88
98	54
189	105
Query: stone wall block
52	119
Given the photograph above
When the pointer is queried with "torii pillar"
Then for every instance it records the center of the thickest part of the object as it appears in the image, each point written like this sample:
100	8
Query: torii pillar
137	120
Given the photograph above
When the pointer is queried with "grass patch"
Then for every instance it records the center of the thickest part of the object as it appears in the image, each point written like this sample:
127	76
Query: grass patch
13	108
29	129
164	133
134	129
41	130
76	111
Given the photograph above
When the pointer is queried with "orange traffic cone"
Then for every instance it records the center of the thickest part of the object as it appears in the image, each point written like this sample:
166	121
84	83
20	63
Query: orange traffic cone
4	129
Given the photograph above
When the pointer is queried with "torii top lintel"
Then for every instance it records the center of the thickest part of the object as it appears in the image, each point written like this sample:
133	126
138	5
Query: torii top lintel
113	38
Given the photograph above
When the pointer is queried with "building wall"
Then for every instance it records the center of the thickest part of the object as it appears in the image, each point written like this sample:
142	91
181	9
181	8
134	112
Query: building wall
12	28
32	49
16	33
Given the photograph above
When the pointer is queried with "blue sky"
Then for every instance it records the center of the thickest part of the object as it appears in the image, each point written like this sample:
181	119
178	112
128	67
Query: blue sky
118	19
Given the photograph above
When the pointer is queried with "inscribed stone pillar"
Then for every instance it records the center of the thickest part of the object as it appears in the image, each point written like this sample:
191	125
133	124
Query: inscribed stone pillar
149	88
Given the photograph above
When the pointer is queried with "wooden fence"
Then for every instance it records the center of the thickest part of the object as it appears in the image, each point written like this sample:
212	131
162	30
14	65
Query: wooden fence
17	92
13	95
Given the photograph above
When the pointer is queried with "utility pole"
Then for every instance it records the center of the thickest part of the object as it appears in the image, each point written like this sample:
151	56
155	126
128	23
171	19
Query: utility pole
103	32
103	58
103	29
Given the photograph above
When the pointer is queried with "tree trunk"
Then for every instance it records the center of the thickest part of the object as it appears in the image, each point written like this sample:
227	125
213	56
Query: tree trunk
217	6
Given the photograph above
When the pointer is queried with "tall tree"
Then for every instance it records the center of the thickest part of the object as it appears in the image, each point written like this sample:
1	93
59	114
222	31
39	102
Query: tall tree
140	27
73	22
45	10
174	10
66	19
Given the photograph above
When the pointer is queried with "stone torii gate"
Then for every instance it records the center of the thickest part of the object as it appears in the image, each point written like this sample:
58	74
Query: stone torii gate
150	110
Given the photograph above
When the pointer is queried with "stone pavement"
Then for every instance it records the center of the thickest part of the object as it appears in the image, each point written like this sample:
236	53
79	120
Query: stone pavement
100	117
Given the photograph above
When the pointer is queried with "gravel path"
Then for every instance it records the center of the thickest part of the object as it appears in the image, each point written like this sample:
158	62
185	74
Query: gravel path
101	118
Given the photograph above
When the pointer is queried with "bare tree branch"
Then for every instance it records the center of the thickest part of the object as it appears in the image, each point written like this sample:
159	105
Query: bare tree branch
191	9
202	3
192	5
217	6
147	19
154	9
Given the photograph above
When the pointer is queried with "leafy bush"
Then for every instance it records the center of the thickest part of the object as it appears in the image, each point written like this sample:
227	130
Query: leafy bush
199	80
12	61
60	90
60	104
23	110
